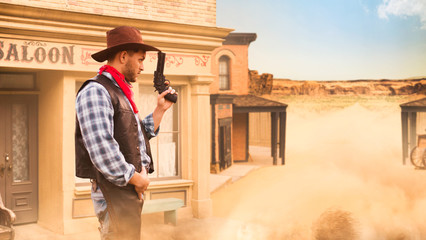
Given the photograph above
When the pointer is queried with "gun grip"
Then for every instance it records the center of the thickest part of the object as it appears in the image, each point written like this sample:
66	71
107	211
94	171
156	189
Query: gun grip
171	97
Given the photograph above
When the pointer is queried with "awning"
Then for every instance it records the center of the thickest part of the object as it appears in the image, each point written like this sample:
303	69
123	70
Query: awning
251	103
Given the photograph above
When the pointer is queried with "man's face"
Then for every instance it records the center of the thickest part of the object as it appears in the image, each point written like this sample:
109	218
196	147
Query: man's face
133	65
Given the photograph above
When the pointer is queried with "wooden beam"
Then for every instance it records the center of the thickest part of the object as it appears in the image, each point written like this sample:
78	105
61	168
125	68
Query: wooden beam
413	125
274	135
404	125
247	136
283	119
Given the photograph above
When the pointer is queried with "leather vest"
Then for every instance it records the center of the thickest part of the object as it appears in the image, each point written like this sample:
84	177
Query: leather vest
125	133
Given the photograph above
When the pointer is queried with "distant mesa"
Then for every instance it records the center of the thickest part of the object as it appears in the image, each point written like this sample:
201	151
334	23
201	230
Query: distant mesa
266	84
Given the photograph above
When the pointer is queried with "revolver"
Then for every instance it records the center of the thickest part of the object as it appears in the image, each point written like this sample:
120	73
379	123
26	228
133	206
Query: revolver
161	84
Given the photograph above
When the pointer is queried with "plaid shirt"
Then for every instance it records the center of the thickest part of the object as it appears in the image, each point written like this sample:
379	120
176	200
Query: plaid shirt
95	115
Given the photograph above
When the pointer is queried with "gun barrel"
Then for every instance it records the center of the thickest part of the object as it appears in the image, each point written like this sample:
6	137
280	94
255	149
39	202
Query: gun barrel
160	62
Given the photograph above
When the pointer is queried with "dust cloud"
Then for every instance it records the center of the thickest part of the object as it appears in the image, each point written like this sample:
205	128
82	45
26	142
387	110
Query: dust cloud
343	179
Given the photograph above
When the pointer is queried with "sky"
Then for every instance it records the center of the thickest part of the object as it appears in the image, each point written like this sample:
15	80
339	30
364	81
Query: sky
331	39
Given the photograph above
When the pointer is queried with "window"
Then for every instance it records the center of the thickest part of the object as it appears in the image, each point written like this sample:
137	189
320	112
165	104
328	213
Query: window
165	147
224	73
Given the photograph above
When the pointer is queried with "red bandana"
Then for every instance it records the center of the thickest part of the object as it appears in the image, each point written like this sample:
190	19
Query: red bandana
119	78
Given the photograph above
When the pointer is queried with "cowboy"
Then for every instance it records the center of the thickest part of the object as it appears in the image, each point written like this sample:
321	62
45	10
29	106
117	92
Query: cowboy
112	143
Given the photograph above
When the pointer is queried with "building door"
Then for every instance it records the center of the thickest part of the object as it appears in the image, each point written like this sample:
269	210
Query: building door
18	152
225	154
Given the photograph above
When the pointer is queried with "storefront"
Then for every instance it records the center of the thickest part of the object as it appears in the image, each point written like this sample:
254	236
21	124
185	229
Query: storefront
45	57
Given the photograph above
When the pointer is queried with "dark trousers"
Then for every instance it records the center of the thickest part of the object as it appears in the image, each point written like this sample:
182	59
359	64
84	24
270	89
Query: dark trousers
123	211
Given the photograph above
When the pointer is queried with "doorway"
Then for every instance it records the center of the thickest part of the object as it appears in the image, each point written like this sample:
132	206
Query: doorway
18	156
225	154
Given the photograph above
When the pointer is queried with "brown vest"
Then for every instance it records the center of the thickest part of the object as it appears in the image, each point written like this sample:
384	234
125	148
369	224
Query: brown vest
123	205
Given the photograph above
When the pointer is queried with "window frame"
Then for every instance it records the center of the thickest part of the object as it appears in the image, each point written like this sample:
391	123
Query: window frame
227	60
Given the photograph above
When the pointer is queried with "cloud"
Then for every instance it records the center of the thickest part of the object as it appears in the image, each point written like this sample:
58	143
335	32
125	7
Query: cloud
364	6
403	8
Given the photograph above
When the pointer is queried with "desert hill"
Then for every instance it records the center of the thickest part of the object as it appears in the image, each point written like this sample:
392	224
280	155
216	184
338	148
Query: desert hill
382	87
266	84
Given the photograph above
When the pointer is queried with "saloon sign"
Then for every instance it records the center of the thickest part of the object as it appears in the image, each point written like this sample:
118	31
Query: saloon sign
43	55
38	53
47	55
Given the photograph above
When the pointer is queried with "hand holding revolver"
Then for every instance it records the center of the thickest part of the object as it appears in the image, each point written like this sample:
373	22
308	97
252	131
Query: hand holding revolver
161	84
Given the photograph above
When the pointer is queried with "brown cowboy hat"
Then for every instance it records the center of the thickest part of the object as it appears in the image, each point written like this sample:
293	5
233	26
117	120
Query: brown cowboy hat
122	38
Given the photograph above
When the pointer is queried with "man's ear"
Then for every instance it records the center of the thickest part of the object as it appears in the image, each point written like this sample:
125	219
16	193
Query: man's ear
122	56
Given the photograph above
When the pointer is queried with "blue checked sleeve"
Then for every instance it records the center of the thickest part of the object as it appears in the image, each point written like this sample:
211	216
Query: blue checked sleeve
95	115
148	122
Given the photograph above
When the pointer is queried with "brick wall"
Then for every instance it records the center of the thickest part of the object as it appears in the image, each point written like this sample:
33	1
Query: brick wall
195	12
239	136
239	77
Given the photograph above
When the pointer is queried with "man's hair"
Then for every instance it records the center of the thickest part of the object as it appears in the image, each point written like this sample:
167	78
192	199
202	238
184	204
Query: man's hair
129	50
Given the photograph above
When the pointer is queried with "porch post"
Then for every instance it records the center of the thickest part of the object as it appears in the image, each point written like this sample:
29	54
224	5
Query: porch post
283	118
413	125
274	134
404	123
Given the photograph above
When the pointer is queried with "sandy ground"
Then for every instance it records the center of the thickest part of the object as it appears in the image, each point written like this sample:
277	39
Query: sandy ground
343	179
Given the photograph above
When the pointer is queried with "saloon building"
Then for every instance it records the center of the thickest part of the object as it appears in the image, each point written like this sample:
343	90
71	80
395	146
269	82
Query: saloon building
45	49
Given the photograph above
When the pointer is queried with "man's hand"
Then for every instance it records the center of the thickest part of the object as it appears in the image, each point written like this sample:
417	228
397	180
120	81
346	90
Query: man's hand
163	103
162	106
141	182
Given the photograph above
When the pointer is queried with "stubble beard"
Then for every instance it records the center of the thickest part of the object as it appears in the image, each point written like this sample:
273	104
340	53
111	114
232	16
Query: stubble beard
129	74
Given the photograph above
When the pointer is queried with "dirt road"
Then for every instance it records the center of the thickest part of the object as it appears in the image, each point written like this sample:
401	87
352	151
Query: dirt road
344	162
